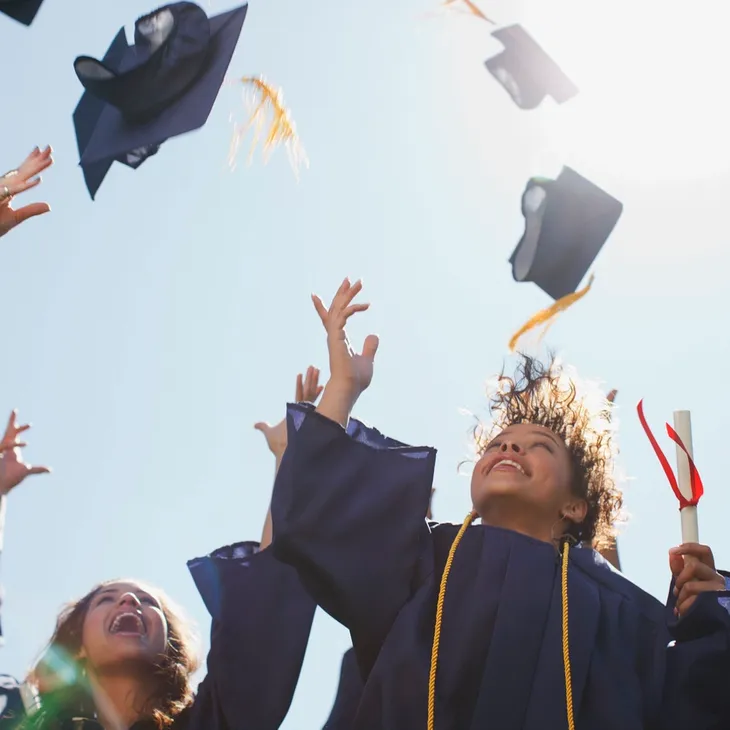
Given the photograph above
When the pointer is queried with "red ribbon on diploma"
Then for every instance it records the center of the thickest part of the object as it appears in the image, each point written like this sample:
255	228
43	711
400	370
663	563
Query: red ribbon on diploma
695	480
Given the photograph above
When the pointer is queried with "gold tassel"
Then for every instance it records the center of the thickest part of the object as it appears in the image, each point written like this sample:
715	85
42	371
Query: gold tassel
546	315
267	106
471	8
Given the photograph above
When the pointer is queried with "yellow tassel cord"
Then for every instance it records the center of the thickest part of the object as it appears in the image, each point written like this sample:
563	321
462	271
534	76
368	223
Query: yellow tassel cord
439	618
470	7
267	109
546	315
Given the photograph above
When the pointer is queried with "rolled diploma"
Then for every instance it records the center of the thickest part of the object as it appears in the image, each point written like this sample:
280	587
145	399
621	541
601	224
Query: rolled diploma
683	427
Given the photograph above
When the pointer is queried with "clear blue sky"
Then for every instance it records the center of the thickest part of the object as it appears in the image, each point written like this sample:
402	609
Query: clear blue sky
145	333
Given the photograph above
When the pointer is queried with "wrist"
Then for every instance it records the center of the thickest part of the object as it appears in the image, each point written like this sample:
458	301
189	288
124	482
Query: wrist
345	391
337	401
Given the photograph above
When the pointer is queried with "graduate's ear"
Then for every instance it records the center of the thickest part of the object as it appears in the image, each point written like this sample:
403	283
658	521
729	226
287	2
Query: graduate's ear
576	511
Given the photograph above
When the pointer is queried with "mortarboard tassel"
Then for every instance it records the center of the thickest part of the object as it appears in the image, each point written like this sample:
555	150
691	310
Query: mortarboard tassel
267	105
544	316
471	8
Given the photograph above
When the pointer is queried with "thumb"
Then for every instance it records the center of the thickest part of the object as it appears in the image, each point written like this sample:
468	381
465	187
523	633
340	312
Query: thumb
370	347
39	470
263	427
29	211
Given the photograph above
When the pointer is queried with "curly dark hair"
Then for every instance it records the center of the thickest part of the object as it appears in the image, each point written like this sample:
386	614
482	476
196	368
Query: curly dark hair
62	690
544	394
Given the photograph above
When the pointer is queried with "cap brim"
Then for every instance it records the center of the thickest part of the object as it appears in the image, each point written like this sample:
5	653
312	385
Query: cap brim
23	12
112	136
86	118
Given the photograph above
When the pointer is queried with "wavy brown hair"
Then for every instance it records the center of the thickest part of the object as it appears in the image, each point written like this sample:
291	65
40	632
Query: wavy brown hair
546	395
61	685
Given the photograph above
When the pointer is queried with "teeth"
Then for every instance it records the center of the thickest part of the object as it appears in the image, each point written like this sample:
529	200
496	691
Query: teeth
118	620
509	462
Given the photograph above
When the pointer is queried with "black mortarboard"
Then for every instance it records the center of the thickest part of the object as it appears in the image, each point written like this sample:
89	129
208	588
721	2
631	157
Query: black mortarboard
526	72
24	11
567	221
162	86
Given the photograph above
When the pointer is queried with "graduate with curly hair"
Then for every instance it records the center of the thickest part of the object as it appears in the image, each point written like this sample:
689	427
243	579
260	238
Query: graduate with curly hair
509	623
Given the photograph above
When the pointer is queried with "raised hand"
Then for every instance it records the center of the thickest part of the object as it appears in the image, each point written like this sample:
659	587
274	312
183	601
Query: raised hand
350	371
13	470
25	177
307	390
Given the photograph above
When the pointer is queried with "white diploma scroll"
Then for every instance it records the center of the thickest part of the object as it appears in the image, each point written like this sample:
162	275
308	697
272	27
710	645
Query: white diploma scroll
683	427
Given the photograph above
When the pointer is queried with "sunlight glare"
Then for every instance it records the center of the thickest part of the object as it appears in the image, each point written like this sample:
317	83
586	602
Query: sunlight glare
652	77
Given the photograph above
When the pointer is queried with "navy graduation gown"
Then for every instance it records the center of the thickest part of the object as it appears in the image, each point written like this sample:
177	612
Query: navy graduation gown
349	516
261	621
348	695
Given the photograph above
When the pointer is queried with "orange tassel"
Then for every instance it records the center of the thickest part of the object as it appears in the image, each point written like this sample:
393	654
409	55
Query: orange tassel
546	316
267	105
471	8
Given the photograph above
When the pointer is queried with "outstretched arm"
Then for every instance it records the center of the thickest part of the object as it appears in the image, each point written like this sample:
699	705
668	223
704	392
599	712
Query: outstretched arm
349	503
13	470
307	390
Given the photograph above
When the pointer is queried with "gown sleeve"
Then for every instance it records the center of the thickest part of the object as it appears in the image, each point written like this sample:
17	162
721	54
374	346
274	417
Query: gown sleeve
349	691
698	665
349	511
261	621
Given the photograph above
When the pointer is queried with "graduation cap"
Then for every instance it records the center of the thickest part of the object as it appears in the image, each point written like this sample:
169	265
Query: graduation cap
567	222
24	11
526	72
164	85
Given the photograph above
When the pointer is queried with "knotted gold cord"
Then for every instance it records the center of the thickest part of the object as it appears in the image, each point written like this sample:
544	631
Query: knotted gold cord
439	617
545	315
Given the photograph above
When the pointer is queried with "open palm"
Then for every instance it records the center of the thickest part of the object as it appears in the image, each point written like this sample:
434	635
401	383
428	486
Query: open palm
13	470
349	368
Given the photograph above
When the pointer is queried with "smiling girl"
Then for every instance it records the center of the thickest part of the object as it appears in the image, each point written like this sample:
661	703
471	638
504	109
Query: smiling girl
123	656
506	624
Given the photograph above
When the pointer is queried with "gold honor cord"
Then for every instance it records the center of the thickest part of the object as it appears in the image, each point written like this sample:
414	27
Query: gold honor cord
545	316
439	618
